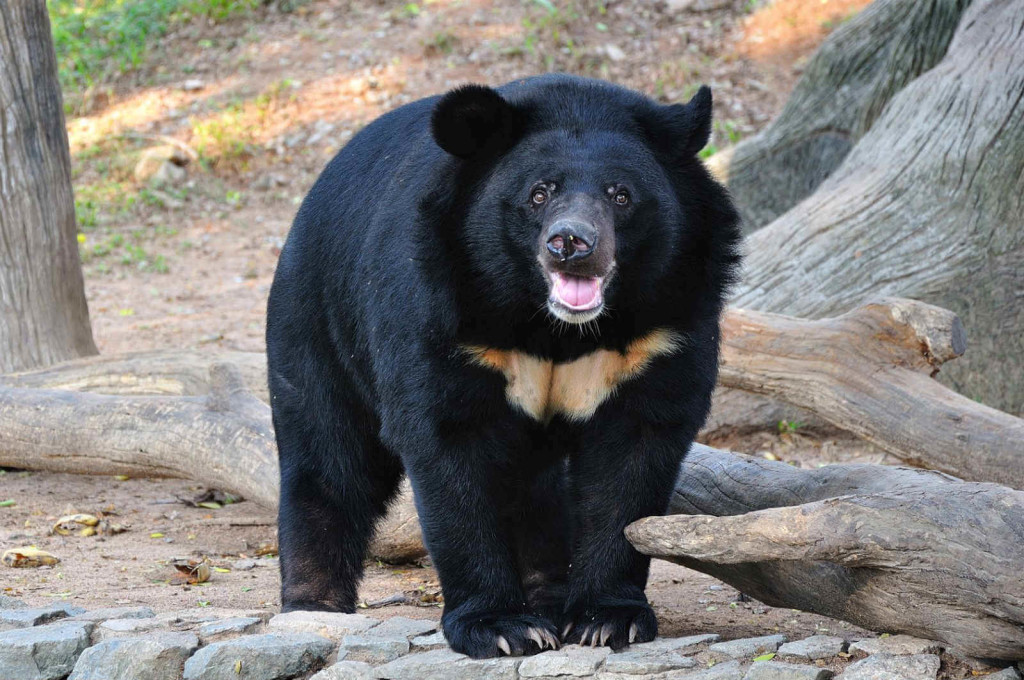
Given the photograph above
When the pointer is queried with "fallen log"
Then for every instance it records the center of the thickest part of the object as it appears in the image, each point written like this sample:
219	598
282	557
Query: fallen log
223	438
890	549
870	372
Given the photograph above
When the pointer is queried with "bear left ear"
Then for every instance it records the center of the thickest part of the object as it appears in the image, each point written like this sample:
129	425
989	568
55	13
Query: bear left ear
474	120
685	128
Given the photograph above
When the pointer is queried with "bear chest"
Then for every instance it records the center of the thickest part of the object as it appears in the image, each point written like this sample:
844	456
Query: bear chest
542	388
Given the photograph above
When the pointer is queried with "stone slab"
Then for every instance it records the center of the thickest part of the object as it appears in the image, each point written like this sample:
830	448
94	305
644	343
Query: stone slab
746	648
330	625
46	652
813	648
893	667
895	644
159	656
272	656
777	670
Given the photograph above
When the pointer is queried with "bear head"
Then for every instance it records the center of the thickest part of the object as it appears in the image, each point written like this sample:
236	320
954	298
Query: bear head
584	200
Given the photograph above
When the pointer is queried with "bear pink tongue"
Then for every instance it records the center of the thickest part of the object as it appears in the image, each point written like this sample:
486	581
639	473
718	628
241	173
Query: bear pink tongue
577	292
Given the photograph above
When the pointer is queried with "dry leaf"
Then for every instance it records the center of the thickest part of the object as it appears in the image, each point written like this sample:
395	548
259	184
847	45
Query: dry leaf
194	571
76	525
28	556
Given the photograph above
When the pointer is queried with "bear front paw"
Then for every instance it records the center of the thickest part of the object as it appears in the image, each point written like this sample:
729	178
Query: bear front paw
485	634
613	624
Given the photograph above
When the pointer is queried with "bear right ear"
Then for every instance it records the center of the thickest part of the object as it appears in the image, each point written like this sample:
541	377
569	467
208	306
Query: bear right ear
474	120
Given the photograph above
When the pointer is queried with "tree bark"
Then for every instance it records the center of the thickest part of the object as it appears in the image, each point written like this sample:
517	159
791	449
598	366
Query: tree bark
846	85
43	313
890	549
928	205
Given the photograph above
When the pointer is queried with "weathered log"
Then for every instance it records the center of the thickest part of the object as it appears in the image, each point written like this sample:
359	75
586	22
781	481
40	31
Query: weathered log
172	373
224	438
870	372
890	549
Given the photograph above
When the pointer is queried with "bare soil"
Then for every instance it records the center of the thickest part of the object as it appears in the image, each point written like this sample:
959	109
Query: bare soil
276	94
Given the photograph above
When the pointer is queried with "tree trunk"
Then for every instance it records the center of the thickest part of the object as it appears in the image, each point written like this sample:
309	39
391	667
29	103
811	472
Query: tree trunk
928	205
846	86
890	549
43	314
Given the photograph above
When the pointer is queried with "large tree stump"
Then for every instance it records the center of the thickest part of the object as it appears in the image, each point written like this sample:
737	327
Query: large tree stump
843	90
890	549
929	204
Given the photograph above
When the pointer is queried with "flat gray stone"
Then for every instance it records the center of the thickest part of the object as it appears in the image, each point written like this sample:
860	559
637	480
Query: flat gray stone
894	667
158	656
330	625
346	670
776	670
444	664
572	661
372	649
425	642
727	670
642	660
274	656
813	648
746	648
43	652
895	644
189	619
118	628
1009	673
683	645
101	615
36	616
8	602
403	627
222	629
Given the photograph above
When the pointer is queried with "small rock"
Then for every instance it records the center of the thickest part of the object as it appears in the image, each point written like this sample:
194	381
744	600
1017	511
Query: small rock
746	648
330	625
43	652
101	615
402	627
372	649
895	644
614	52
259	657
117	628
1009	673
188	619
193	85
697	5
638	660
154	657
154	161
25	618
347	670
573	661
444	664
683	645
8	602
222	629
774	670
728	670
245	564
894	667
813	648
435	641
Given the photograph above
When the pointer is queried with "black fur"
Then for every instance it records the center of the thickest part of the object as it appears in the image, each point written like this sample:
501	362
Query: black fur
419	238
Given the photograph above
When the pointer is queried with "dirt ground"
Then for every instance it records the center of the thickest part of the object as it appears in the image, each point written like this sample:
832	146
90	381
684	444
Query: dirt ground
264	100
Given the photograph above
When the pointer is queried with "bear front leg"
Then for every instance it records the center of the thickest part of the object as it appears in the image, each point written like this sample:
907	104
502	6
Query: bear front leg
627	474
460	492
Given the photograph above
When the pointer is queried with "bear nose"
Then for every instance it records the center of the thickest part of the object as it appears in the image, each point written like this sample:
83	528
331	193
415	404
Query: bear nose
569	240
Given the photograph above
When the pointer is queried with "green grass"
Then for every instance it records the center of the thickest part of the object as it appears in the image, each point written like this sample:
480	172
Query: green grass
99	40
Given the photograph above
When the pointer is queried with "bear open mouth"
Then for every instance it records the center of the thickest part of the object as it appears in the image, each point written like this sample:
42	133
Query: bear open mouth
576	299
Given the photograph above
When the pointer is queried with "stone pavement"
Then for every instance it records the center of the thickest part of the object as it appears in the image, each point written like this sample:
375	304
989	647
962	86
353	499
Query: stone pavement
135	643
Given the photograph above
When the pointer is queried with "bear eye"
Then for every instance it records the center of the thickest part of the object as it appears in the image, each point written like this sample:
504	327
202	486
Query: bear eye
539	197
621	197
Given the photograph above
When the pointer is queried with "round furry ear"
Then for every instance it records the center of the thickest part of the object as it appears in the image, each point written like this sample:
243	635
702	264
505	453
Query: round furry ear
474	120
684	128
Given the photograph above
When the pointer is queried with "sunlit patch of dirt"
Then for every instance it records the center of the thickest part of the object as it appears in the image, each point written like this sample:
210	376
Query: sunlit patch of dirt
785	30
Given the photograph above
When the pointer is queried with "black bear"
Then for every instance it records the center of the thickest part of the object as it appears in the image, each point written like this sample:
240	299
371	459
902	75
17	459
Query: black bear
512	296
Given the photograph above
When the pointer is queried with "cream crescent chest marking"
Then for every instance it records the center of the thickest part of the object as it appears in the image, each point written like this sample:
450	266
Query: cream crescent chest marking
542	388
